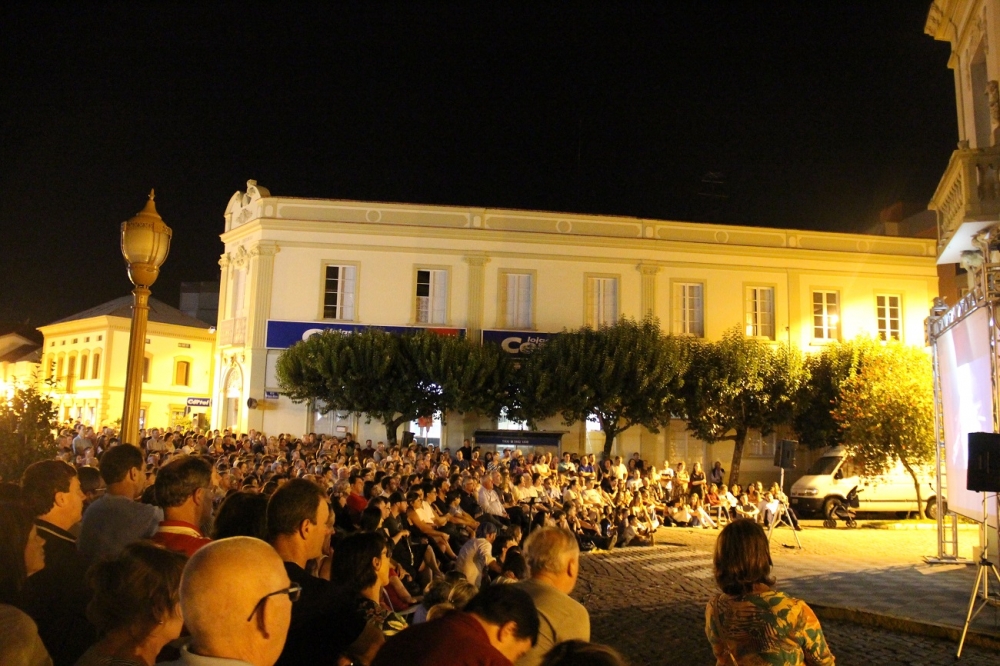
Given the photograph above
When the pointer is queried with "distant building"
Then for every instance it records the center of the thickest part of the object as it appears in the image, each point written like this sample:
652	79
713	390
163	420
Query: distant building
19	357
295	266
201	301
87	356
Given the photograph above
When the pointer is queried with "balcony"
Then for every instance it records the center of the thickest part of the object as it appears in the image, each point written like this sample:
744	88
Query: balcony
967	199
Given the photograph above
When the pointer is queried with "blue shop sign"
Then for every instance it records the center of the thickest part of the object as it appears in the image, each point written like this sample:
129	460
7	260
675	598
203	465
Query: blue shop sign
284	334
515	342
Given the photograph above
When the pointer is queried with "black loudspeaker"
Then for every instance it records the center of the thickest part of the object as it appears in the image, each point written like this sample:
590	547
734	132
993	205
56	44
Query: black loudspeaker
784	454
984	462
407	438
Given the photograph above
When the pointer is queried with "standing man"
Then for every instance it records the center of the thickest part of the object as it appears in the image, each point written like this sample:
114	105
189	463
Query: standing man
115	519
58	594
553	557
185	488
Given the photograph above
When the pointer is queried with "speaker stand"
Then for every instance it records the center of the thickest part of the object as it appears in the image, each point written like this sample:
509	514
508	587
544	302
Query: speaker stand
985	567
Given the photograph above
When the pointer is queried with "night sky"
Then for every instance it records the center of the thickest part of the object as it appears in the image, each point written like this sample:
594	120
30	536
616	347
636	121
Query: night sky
817	115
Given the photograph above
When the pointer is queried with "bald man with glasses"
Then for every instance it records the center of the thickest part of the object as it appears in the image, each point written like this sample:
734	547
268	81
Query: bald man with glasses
237	603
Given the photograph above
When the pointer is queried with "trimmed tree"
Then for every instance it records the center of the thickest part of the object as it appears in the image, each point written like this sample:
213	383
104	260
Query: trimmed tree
27	426
393	379
738	384
622	375
886	411
819	394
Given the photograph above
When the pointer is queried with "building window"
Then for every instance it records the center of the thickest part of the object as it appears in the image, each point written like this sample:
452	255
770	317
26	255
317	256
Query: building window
516	300
432	296
602	301
182	373
689	311
60	367
760	312
145	370
338	292
826	315
71	374
83	366
95	371
887	311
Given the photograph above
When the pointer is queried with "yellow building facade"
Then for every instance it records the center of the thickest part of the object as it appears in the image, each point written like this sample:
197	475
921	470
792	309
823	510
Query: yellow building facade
86	355
293	266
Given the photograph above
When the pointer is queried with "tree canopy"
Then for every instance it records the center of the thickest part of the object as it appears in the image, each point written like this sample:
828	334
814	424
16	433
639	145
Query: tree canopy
27	424
886	410
394	379
622	375
737	384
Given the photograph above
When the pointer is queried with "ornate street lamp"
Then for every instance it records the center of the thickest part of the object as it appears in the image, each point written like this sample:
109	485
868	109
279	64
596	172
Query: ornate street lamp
145	245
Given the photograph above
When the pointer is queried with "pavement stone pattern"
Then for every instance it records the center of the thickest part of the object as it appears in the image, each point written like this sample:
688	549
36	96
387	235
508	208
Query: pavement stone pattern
649	602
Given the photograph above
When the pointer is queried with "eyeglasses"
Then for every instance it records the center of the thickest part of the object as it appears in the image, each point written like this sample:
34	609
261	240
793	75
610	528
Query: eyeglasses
293	592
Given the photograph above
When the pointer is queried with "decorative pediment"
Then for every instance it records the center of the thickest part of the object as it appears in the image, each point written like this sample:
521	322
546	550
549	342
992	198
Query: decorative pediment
243	205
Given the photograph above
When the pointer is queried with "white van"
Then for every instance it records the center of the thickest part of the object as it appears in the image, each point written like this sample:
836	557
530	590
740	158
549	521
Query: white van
832	476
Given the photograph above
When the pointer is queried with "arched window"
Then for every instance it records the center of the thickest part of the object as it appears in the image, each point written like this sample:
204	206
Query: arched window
71	374
95	365
60	367
83	365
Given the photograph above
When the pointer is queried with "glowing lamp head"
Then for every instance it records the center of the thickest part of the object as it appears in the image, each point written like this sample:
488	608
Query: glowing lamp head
145	244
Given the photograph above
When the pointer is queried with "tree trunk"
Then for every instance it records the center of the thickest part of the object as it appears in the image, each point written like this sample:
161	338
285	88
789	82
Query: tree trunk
391	428
738	443
916	486
609	441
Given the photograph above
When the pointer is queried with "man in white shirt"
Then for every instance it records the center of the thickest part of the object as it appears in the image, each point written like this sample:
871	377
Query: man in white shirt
489	500
620	470
477	555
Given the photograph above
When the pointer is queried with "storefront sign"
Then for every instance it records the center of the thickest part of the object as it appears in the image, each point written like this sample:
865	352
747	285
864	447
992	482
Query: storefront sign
284	334
199	402
270	395
516	342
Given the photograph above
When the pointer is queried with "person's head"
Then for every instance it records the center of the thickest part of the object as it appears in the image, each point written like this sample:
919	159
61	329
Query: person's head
91	484
487	530
459	594
50	489
242	513
361	561
237	601
515	566
742	558
553	555
582	653
184	489
137	593
509	617
22	551
298	511
123	469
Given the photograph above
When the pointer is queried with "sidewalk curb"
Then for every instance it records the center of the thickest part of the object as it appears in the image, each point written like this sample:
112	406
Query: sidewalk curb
906	625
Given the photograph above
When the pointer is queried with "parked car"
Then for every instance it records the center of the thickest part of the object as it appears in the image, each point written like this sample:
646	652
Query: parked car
833	475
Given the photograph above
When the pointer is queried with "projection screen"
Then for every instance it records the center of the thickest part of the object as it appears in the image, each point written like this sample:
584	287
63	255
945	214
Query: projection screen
967	401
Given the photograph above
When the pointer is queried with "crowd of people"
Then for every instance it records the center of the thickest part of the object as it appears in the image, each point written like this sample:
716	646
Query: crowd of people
318	549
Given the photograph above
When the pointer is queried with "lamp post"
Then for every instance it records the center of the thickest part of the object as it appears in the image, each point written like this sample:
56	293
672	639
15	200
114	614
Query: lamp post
145	244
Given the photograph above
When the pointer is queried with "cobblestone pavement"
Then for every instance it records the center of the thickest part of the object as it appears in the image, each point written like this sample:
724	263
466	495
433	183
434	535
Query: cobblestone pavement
649	603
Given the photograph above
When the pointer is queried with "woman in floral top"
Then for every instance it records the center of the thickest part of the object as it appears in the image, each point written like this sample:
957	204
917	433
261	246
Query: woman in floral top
750	624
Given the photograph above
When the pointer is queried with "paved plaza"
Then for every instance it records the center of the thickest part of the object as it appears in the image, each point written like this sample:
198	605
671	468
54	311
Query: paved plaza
649	602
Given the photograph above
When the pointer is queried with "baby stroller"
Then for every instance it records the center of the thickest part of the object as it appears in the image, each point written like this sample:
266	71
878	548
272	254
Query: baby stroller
844	511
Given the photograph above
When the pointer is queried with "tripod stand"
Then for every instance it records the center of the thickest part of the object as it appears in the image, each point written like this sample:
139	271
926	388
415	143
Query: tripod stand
780	518
982	580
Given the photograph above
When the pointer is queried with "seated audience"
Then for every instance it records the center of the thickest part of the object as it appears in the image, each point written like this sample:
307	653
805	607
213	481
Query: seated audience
750	623
476	556
581	653
136	605
497	627
22	554
361	569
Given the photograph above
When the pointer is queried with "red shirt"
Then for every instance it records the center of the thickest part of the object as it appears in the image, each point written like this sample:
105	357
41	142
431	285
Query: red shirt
356	504
179	536
457	639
